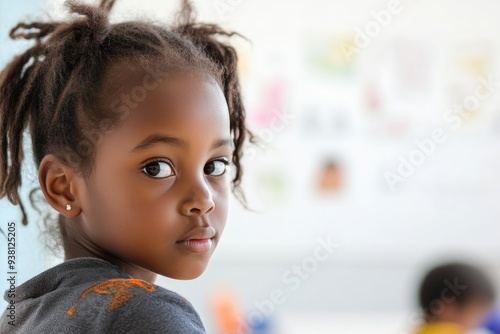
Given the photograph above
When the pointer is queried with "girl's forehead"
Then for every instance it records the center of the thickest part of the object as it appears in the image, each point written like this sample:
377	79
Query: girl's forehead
197	122
180	97
177	103
135	82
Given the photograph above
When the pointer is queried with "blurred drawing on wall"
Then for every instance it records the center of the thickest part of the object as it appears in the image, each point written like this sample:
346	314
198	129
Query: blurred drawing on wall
325	56
330	178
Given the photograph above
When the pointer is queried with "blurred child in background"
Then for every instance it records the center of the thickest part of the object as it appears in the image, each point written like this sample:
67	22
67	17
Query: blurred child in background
456	299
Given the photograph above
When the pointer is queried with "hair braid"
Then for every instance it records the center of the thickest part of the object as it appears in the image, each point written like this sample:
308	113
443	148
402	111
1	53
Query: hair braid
17	83
20	85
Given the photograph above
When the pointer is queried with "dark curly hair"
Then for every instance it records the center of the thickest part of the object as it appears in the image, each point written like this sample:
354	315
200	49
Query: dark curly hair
56	86
455	282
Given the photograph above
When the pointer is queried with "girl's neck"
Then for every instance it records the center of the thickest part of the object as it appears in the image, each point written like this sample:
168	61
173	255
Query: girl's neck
77	244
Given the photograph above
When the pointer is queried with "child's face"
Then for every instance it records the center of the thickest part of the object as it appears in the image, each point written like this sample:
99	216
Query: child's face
474	314
470	316
139	210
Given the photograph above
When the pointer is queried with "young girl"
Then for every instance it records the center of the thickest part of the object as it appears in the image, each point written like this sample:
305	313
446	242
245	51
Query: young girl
133	126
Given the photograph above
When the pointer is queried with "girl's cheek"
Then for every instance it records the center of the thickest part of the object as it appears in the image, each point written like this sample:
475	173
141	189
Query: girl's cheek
220	194
223	183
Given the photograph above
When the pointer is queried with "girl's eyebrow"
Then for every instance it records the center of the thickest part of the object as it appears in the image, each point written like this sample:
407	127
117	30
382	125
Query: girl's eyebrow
156	138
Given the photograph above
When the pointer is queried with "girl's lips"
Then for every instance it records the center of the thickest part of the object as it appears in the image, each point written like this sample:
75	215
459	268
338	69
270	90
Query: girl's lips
196	245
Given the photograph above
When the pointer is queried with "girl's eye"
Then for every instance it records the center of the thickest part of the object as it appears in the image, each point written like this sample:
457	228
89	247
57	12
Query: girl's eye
216	167
158	169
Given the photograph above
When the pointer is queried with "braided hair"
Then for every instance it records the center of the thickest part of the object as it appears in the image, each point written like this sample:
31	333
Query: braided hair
55	87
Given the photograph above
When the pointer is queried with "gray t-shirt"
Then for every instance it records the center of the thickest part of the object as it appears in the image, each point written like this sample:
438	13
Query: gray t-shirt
91	295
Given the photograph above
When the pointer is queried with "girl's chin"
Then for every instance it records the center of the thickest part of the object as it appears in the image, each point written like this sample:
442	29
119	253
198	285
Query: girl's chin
188	272
186	276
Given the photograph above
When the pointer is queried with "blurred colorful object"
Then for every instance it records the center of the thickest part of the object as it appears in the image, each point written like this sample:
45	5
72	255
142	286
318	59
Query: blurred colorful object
492	323
226	310
262	326
272	104
326	55
441	328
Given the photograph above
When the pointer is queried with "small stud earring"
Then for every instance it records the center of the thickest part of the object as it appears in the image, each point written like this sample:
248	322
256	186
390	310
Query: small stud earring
68	207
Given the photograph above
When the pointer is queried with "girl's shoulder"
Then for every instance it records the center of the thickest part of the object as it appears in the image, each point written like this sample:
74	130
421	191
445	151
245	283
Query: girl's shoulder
154	309
90	295
130	305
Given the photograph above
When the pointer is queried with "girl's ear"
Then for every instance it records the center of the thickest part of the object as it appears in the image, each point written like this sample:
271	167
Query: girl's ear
60	185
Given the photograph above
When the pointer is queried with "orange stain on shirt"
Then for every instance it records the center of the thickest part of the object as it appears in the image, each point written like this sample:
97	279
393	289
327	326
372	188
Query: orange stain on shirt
119	288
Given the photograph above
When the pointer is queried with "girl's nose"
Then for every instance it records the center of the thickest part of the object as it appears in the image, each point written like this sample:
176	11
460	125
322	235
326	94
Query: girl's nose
199	201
